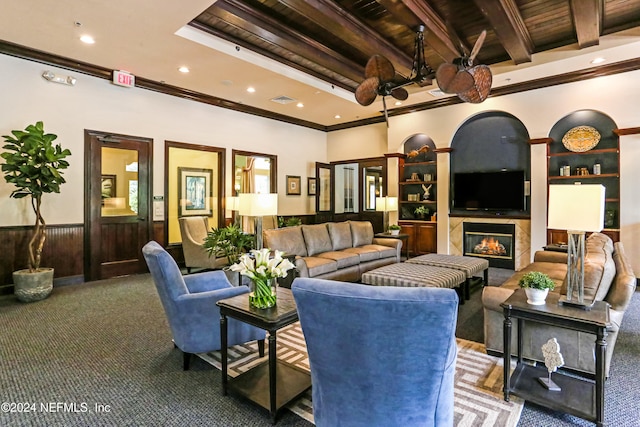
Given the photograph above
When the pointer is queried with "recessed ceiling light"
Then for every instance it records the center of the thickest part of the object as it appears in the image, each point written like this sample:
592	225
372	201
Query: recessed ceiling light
398	103
299	105
183	69
337	116
87	39
251	89
597	60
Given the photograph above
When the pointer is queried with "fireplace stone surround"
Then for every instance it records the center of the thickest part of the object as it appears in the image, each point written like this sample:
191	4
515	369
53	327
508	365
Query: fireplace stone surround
522	241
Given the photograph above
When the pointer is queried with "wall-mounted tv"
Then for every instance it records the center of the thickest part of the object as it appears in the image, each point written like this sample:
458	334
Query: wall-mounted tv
503	190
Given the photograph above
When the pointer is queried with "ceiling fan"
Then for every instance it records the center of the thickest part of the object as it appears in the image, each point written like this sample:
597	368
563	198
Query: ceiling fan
471	83
380	77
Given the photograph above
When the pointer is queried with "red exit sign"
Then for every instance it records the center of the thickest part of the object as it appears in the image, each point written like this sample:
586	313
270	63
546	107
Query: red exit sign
122	78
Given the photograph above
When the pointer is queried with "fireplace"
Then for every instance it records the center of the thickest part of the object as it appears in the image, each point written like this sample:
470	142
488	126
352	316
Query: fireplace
494	242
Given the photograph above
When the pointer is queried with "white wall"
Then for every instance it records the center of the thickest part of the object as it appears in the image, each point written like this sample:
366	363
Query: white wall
538	110
98	105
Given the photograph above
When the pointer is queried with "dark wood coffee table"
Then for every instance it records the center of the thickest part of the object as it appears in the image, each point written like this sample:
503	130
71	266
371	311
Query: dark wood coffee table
272	384
578	396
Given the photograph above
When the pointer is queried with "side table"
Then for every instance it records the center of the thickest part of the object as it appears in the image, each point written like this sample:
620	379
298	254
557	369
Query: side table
578	396
272	384
401	236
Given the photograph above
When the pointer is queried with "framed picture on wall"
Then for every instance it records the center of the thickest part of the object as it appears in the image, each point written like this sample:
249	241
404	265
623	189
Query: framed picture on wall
108	186
311	186
293	185
194	192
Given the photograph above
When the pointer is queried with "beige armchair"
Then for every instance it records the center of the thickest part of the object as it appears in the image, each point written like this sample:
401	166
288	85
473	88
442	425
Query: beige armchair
193	230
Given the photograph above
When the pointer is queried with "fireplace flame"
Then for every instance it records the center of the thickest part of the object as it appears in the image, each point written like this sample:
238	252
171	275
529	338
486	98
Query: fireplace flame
490	246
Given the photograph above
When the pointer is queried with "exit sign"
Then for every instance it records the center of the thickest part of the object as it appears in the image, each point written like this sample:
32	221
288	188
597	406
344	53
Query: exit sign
122	78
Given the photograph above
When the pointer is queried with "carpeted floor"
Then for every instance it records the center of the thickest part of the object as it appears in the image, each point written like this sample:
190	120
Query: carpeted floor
100	354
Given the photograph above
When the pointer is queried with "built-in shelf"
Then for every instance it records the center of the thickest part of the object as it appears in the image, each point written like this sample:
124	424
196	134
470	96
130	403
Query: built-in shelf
421	202
418	182
590	176
410	163
572	153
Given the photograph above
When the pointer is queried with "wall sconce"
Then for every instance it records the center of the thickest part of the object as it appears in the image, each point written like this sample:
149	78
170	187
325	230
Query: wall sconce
386	204
258	205
576	208
53	77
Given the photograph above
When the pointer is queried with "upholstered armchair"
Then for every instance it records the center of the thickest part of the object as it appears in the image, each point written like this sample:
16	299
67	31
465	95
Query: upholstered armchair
193	230
379	355
190	305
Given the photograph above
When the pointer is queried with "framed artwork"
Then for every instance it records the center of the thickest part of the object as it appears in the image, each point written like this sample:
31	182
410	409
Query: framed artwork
293	185
108	186
194	192
311	186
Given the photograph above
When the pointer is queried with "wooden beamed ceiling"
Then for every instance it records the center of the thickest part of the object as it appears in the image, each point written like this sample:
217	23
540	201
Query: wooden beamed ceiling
333	40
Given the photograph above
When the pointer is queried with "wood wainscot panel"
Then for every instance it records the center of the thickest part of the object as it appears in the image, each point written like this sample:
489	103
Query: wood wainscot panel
63	251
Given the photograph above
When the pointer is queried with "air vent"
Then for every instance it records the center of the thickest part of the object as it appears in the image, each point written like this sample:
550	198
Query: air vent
283	100
436	92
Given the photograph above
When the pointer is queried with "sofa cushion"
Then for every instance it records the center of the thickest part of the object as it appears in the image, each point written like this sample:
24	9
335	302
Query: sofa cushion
624	286
288	239
361	233
340	234
317	266
366	252
343	258
385	251
317	239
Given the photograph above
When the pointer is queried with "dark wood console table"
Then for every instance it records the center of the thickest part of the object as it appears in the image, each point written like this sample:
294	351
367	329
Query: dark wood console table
579	396
274	384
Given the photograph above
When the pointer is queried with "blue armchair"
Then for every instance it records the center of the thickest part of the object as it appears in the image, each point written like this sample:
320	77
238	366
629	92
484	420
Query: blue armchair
379	356
190	305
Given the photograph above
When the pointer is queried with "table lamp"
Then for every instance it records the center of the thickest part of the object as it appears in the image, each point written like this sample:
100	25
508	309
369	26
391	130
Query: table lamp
577	209
258	205
386	204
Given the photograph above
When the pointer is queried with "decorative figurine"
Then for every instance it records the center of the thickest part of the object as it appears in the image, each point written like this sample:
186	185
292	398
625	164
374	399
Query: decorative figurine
415	153
553	360
426	192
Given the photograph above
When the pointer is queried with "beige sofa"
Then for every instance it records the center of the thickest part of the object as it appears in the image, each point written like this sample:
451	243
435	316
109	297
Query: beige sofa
608	277
334	250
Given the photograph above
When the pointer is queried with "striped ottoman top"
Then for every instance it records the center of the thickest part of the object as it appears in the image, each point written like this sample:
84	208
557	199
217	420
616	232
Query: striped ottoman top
470	265
414	275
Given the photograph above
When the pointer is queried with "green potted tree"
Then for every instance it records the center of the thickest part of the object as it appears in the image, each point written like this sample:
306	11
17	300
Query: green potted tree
34	166
230	242
536	285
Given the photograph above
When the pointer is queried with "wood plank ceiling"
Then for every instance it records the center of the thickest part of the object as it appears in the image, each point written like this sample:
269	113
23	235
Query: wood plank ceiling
333	40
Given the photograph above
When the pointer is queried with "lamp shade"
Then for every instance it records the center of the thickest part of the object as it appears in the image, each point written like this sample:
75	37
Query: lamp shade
576	207
386	204
258	204
232	203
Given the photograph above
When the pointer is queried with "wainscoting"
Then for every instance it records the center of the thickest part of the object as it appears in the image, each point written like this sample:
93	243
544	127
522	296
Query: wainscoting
522	249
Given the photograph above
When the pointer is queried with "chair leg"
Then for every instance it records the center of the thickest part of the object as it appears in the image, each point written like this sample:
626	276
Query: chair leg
261	348
186	360
188	270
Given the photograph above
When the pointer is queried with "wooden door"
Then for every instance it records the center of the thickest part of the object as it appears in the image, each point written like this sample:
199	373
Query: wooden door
426	238
118	219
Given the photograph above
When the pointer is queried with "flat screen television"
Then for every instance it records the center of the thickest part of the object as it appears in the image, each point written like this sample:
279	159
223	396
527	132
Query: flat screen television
503	190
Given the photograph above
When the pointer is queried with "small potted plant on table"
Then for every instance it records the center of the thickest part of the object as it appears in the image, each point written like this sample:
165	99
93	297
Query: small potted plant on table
421	212
536	285
394	229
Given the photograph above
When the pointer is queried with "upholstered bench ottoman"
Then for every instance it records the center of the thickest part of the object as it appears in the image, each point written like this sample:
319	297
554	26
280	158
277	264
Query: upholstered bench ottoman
416	275
471	266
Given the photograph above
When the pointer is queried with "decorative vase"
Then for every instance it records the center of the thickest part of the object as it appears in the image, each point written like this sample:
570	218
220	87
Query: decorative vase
394	232
536	296
262	293
36	286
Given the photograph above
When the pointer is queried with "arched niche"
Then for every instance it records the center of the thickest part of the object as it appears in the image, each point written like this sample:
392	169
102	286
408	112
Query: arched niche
491	141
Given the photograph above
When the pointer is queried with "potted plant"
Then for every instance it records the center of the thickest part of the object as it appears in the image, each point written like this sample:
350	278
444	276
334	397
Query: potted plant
230	242
394	229
421	212
536	285
34	166
288	222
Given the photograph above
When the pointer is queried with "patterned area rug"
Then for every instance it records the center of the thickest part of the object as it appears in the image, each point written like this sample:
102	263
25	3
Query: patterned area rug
478	381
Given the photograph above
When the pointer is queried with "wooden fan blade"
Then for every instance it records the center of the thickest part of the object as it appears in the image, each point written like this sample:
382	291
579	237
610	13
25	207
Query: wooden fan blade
482	80
367	91
400	94
478	45
380	67
453	80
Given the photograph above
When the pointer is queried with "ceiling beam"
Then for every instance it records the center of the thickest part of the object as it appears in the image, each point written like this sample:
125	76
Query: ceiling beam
340	23
436	35
587	21
504	16
242	16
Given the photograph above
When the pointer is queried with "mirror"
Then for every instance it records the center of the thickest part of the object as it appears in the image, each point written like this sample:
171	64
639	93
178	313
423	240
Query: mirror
254	173
373	186
347	192
323	189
